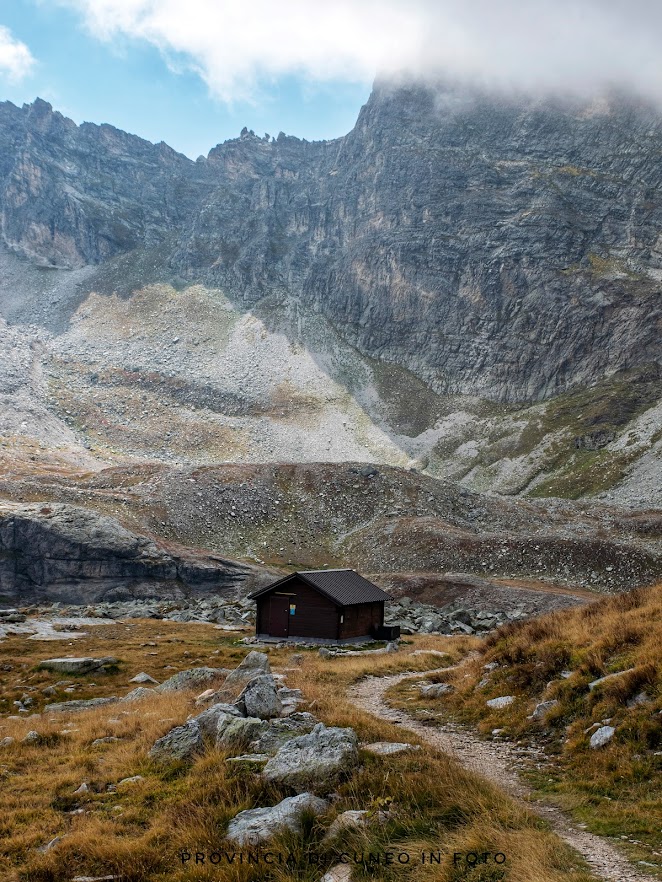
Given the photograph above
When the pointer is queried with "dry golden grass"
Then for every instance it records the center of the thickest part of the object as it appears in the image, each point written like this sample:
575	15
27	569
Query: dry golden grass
138	830
616	790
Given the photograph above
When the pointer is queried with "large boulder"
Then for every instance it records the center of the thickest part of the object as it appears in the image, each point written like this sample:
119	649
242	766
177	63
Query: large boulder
180	743
259	698
208	720
257	825
283	730
191	679
236	733
78	665
253	665
314	760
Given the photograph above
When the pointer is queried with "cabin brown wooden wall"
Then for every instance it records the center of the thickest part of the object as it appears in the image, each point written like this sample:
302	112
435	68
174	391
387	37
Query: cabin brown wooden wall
315	616
360	620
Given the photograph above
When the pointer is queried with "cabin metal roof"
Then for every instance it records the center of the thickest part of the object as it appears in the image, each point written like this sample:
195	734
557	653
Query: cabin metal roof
344	587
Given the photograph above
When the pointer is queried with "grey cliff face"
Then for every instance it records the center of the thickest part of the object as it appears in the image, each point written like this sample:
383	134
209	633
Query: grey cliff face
66	553
77	195
502	248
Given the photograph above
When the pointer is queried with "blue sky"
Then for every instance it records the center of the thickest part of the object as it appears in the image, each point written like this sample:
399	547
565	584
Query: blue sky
127	82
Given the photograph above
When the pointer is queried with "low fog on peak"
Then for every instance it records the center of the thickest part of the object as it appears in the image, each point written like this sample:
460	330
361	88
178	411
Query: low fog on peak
580	46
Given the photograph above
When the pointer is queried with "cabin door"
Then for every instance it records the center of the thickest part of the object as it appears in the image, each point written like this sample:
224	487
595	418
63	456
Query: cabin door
279	616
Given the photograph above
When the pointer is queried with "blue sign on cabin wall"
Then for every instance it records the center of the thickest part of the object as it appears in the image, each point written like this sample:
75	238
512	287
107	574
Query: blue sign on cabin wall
292	609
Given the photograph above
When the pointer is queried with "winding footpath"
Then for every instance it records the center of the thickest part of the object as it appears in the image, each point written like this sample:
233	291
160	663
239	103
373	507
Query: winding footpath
496	763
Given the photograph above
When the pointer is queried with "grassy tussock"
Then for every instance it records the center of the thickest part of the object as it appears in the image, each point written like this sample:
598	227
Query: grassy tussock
137	830
616	790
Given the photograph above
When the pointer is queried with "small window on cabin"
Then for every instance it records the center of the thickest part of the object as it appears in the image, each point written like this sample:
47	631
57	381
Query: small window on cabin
293	608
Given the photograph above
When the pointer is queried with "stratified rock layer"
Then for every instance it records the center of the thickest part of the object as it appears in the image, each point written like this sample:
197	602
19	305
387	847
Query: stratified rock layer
66	553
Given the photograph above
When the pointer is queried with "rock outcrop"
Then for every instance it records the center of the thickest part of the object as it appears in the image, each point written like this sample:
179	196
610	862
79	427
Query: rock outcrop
208	720
283	730
67	553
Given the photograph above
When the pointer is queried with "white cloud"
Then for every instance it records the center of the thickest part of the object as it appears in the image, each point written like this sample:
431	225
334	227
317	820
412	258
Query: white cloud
16	60
235	45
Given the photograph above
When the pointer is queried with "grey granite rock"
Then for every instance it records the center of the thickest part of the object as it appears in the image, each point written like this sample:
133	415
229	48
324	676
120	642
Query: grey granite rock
282	730
208	720
133	779
314	760
434	690
237	733
79	704
249	759
78	665
144	678
500	702
67	553
138	694
601	736
32	737
389	748
194	678
253	665
543	708
181	743
260	698
257	825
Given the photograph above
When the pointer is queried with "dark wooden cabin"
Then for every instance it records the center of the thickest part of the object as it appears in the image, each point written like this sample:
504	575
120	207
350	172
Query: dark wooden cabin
334	605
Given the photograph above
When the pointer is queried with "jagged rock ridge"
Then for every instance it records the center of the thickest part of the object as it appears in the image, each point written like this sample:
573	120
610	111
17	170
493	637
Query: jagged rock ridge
503	248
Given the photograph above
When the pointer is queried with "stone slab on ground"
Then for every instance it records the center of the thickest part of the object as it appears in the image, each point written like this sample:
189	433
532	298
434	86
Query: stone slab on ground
84	665
388	748
78	704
